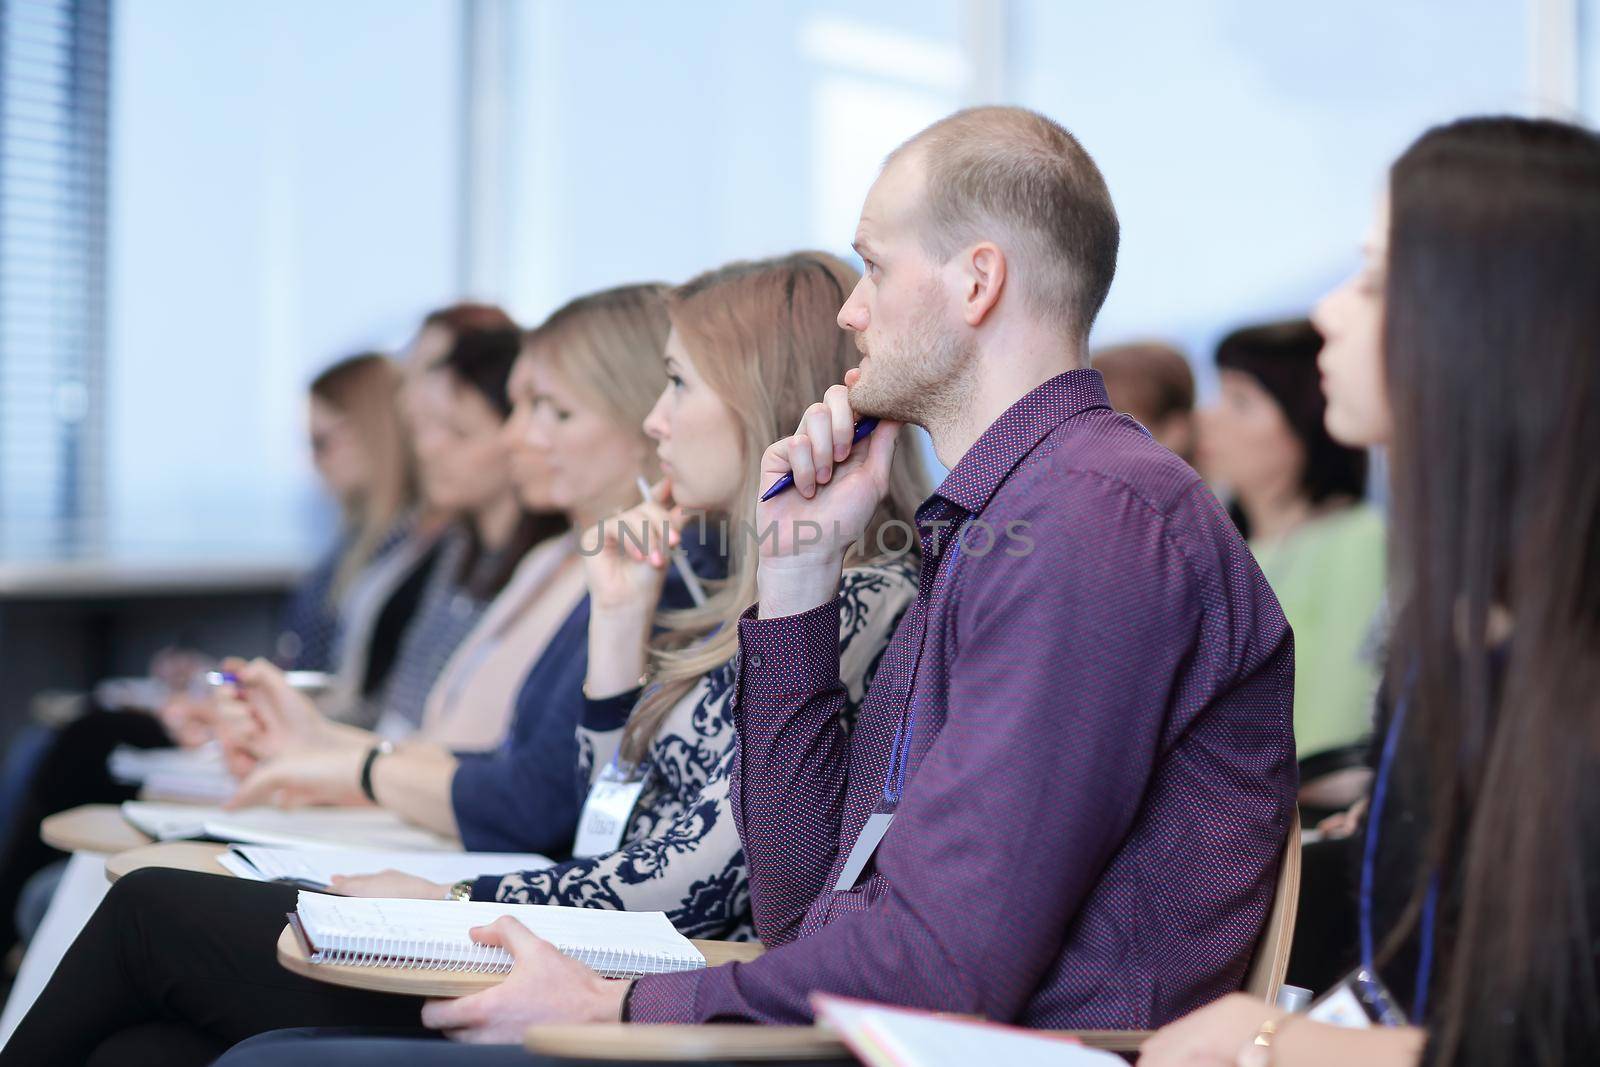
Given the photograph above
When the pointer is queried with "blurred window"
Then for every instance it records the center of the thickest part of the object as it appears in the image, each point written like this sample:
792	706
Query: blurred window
53	72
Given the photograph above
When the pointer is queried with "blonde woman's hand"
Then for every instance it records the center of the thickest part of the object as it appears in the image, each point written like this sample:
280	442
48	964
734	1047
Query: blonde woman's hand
625	557
262	714
325	773
389	884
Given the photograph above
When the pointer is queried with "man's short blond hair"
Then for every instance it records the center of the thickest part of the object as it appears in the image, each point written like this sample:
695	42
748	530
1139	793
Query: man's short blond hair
1017	178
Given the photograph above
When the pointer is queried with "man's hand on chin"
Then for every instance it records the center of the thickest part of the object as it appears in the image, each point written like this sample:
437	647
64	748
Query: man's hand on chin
544	986
804	534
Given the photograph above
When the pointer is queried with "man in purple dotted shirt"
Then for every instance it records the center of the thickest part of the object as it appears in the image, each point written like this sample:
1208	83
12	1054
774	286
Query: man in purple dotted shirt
1076	760
1082	728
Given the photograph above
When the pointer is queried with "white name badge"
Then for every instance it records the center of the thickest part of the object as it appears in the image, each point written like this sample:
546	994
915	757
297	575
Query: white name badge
1358	1002
866	844
605	814
1341	1007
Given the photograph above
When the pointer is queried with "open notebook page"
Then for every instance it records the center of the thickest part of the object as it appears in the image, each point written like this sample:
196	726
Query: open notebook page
167	822
265	863
882	1036
438	931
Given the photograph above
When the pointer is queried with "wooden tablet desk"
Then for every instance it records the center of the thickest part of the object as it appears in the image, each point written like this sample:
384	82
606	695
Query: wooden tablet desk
197	856
91	828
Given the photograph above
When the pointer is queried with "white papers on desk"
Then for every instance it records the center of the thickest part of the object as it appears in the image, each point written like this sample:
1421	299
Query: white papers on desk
132	694
194	775
264	864
882	1036
368	828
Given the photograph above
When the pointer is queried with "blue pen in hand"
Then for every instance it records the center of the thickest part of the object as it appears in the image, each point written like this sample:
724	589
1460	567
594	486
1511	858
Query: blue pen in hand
863	429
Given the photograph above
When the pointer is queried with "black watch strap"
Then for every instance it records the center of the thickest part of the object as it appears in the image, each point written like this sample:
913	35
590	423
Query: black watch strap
382	748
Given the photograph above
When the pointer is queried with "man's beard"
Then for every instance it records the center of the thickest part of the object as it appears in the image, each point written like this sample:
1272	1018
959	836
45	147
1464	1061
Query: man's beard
921	378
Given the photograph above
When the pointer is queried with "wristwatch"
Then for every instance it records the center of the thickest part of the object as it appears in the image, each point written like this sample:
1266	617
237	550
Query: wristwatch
461	891
382	748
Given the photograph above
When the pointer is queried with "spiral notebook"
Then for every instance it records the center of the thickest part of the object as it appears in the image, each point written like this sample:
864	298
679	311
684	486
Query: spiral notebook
433	935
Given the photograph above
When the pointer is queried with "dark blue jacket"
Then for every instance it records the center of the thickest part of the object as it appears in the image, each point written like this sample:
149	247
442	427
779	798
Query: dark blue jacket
525	796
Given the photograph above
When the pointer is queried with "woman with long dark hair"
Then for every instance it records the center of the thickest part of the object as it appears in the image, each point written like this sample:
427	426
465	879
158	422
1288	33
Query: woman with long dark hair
1467	345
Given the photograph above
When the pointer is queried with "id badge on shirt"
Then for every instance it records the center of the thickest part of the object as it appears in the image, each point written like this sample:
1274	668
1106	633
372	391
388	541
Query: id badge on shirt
1359	1002
606	813
866	844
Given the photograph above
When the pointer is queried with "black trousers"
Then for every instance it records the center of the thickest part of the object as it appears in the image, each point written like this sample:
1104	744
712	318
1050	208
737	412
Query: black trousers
72	771
174	968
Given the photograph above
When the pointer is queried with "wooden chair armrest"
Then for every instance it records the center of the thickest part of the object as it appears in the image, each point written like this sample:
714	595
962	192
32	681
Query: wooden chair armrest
639	1042
719	952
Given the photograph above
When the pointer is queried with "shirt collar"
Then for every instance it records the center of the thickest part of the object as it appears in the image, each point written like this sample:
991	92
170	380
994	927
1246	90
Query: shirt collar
998	450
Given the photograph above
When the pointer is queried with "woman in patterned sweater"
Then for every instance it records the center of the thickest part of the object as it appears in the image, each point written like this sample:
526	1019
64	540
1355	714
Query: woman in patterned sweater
751	344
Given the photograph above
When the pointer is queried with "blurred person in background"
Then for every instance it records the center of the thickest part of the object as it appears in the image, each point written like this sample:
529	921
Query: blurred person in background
586	380
434	338
1297	495
458	408
442	326
358	449
752	344
1152	382
387	598
360	452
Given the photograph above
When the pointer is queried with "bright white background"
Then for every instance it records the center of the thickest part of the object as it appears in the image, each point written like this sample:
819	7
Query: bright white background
293	180
283	191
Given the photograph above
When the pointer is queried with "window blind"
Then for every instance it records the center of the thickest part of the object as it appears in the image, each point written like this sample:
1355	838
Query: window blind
54	67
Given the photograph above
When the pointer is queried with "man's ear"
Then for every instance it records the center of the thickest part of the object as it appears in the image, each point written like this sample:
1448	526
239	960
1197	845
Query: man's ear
983	278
